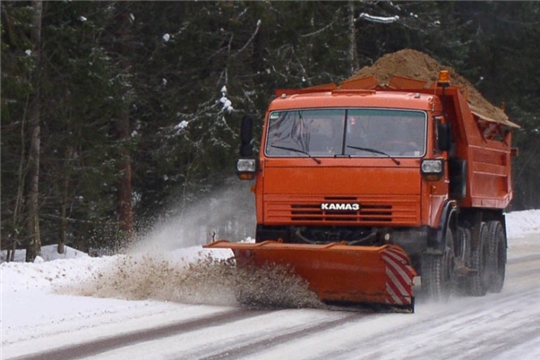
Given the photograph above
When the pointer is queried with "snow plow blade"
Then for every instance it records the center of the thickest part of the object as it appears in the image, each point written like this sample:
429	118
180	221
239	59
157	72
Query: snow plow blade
337	272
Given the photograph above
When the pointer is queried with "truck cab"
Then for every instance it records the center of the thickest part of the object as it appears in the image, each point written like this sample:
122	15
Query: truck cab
350	166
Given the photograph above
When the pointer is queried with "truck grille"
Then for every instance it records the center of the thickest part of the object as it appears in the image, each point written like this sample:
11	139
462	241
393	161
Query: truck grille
371	211
303	212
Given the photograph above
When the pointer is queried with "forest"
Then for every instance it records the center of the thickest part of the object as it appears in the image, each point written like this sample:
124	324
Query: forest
118	115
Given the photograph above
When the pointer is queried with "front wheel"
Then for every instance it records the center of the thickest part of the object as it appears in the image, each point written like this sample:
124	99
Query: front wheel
437	272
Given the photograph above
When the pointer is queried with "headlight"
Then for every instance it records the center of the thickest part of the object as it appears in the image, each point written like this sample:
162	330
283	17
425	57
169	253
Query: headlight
246	168
246	165
432	170
432	166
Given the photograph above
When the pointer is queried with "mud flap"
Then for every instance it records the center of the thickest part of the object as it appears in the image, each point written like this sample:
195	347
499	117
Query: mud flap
337	272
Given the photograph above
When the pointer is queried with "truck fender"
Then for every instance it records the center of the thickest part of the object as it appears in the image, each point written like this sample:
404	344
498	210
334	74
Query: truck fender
437	236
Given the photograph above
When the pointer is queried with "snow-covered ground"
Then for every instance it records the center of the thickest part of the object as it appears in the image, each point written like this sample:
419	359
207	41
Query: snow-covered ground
64	300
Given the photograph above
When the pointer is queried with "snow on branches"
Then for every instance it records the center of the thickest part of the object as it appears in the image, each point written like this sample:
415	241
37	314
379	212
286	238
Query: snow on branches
227	104
379	19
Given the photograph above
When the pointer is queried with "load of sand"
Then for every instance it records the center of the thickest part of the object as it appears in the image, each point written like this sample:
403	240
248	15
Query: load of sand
419	66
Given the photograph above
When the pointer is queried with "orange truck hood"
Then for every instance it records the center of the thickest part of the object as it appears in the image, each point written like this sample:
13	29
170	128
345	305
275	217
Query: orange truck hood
385	194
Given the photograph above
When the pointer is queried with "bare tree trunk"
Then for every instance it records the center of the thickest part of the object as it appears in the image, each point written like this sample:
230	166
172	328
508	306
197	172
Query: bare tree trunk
19	201
353	51
65	201
33	246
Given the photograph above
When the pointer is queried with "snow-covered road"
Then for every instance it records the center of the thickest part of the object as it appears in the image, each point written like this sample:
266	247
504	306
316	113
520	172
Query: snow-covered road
38	323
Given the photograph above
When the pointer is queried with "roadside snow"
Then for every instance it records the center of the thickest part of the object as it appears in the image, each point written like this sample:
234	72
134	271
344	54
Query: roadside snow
520	223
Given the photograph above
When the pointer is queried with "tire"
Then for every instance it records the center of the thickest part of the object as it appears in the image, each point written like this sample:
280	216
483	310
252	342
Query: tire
497	252
437	272
479	282
462	253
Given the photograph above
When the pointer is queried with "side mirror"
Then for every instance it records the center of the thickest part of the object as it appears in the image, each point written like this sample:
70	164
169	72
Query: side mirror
246	135
444	136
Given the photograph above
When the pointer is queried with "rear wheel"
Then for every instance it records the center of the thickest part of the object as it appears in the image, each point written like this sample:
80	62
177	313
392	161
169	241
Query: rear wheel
497	252
437	272
479	281
462	255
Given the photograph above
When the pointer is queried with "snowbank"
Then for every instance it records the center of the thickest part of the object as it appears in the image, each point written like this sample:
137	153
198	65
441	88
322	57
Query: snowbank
520	223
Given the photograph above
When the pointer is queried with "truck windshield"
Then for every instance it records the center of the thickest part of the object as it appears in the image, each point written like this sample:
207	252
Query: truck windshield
346	132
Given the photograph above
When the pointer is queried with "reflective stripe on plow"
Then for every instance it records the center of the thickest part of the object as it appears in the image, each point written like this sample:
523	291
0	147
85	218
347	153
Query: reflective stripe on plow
399	277
393	296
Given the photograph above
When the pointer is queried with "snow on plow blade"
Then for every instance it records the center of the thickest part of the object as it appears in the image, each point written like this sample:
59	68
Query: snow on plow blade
337	272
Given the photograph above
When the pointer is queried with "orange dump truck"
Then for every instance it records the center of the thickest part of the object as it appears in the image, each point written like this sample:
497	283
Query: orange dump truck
360	187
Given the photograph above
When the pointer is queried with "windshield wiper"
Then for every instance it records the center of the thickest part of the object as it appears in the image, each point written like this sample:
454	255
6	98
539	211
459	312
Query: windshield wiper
375	152
297	150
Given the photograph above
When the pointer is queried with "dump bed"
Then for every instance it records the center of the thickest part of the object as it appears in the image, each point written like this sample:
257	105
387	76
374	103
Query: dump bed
484	150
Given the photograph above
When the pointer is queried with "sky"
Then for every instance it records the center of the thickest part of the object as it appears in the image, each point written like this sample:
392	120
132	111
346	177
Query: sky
62	299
